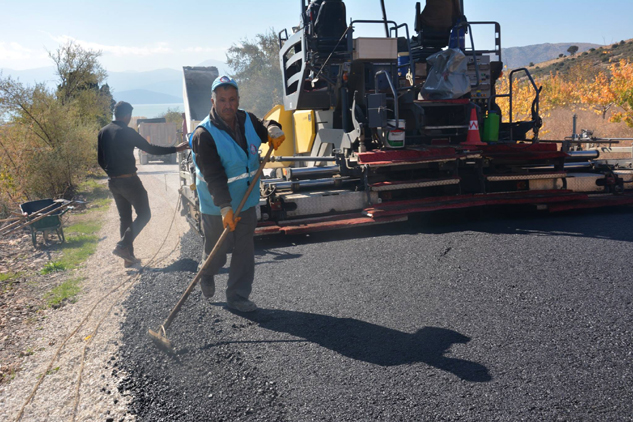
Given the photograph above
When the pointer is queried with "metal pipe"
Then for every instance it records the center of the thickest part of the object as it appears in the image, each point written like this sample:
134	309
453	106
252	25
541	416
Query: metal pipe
307	172
298	159
384	17
581	165
275	180
583	141
568	166
345	110
582	155
313	183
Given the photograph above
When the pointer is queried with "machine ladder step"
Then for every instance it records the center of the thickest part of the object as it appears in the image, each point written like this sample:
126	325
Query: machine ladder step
526	176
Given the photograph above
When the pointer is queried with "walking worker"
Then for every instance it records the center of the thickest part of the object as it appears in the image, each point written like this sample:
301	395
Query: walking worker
225	146
116	145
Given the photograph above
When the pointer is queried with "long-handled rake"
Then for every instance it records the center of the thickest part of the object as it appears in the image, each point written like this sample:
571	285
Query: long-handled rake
160	336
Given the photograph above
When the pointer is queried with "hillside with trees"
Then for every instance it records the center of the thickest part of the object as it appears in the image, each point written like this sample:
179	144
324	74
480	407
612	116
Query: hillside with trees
597	58
515	57
596	82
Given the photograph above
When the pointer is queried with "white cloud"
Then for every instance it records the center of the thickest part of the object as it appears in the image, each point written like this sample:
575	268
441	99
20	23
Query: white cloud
13	51
118	50
204	50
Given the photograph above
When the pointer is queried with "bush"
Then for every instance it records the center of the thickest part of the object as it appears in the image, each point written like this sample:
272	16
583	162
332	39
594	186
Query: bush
172	116
48	143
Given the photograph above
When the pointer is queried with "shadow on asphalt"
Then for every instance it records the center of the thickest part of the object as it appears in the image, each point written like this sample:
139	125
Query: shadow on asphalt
598	223
373	343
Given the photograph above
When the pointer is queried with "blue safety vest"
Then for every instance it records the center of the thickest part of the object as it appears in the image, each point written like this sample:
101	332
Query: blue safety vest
240	167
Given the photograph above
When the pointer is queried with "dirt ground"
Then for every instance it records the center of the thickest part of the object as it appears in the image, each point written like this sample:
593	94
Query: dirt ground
75	345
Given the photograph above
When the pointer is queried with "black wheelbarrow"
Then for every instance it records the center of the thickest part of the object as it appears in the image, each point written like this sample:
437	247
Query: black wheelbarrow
52	222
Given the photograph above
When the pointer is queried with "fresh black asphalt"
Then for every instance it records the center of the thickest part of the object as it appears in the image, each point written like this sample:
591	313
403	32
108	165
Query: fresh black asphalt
446	317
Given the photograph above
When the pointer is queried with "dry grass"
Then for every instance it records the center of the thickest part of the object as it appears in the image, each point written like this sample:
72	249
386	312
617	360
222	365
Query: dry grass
559	123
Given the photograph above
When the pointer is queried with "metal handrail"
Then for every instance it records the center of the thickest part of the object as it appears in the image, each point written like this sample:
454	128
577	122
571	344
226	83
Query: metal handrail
411	64
393	90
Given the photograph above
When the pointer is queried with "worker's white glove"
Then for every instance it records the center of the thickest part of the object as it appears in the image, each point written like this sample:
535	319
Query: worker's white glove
275	136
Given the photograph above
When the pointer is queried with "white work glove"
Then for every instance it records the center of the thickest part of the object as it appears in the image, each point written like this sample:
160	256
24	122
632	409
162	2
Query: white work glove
275	136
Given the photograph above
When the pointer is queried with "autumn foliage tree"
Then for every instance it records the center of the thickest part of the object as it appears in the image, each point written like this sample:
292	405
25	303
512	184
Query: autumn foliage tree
581	88
622	86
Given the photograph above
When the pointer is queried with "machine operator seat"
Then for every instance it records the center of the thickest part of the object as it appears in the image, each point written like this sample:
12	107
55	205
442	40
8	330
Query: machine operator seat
330	21
329	26
435	22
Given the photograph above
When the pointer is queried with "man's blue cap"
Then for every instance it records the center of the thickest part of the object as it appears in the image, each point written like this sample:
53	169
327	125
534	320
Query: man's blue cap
223	80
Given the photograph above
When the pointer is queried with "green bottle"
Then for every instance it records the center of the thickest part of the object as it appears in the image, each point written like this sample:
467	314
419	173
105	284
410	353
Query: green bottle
491	127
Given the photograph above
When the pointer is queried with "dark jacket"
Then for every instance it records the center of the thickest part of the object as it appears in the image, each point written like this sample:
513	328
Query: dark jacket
116	143
208	159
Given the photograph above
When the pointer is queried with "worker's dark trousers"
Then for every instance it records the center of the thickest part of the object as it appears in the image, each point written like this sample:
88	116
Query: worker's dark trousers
240	243
129	192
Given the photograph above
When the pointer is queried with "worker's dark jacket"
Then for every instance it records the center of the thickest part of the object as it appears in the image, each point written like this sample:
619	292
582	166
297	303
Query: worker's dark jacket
208	159
116	143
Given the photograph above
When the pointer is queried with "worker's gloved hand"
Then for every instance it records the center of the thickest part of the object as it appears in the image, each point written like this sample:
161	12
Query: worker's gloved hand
275	136
182	146
228	219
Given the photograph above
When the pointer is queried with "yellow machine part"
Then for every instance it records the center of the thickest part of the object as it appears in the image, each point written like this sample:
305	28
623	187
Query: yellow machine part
284	117
305	131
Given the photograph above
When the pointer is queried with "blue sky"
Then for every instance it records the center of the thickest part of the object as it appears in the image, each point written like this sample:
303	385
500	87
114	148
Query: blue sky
146	35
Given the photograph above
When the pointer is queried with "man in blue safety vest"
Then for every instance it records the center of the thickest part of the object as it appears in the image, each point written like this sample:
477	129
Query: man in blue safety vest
225	147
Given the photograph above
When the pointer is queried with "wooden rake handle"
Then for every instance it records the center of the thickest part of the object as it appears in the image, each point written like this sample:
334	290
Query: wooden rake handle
216	248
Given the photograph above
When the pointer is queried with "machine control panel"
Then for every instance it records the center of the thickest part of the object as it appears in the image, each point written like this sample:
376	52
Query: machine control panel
481	88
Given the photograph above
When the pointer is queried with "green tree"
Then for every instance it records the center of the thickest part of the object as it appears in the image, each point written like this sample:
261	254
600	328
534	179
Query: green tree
81	78
172	116
572	49
255	66
48	142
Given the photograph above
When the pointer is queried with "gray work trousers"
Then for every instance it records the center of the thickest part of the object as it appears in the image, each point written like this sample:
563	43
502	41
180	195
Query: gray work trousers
240	242
129	192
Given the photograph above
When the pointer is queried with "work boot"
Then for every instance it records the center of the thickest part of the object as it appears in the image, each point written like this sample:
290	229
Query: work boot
128	264
241	305
207	285
123	252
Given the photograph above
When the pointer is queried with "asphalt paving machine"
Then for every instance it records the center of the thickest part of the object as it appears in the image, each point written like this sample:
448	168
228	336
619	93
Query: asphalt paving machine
379	128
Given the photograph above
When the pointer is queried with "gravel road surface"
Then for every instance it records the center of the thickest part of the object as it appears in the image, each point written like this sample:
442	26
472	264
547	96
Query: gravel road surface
441	318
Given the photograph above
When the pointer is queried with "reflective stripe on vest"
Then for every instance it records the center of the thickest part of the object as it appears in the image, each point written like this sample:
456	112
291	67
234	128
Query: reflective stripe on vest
240	167
243	176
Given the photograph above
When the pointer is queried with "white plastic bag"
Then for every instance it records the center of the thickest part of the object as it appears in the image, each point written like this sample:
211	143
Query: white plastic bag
447	77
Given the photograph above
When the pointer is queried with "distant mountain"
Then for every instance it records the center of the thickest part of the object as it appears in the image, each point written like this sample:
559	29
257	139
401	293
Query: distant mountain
160	86
160	80
143	96
515	57
592	61
32	76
